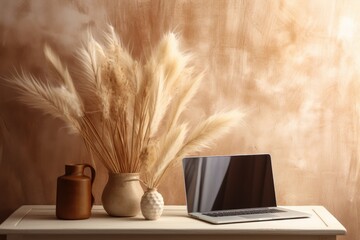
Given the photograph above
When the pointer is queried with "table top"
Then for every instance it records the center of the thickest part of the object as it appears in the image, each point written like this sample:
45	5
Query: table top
40	219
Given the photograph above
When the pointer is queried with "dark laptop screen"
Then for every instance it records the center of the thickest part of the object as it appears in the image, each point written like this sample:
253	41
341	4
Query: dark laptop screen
228	182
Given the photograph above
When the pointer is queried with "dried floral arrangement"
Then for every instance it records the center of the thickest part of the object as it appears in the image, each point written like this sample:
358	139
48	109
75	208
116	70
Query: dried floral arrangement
127	111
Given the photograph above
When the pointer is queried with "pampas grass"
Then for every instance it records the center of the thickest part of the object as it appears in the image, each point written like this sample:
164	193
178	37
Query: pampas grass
128	112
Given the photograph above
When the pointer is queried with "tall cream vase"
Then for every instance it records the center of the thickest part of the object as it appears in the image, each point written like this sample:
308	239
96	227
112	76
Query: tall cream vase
122	195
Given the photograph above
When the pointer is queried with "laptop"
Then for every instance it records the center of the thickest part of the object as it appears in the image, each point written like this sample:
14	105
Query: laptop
230	189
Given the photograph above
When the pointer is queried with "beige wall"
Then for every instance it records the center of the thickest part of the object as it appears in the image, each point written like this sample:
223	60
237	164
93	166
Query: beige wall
293	65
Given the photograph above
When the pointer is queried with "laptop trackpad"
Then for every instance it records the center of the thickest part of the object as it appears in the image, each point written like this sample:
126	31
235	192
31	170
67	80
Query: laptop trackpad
258	216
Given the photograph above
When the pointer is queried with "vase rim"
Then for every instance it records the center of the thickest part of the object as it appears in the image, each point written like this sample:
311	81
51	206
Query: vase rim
124	174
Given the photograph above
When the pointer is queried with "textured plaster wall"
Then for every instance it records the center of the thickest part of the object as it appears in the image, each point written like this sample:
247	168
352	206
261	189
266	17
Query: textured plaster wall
294	66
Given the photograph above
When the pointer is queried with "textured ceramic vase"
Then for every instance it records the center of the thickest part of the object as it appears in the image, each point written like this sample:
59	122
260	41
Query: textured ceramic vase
122	194
74	199
152	204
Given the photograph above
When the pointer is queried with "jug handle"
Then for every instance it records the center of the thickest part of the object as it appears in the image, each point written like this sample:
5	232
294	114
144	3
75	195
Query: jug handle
92	177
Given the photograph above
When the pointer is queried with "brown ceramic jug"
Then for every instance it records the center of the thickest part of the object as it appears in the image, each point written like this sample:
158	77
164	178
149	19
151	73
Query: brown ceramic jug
74	199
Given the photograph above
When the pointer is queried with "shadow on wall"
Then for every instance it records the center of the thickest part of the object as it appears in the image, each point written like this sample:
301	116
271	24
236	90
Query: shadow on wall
293	66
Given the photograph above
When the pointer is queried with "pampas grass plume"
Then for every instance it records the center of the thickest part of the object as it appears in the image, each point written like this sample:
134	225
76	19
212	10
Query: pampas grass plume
128	112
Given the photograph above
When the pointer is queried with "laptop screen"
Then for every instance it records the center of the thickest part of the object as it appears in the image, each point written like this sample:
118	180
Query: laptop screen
228	182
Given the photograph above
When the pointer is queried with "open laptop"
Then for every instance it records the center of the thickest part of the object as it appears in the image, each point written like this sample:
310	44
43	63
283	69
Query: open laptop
229	189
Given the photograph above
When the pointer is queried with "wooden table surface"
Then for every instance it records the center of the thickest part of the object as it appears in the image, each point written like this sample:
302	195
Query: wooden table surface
39	222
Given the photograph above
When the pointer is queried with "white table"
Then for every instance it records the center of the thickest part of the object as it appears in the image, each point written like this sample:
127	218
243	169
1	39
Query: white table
39	222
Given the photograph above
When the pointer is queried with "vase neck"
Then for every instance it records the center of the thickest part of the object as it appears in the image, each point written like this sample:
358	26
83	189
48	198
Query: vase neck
124	176
76	169
151	189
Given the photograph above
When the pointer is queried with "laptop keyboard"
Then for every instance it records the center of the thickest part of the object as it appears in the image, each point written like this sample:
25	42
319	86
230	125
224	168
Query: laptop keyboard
241	212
